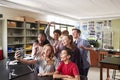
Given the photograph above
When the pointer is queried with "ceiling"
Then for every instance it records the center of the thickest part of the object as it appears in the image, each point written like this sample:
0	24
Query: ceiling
73	9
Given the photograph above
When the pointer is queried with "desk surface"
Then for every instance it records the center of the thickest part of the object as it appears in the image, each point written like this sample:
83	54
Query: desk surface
22	71
110	51
111	60
109	63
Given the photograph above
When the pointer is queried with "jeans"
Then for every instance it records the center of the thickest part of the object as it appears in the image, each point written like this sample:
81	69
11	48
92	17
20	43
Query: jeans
84	74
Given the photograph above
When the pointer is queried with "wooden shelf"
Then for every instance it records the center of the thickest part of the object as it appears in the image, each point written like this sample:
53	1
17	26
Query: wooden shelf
20	34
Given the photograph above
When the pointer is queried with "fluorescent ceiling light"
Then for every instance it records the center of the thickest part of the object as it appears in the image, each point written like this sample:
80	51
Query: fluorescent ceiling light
57	19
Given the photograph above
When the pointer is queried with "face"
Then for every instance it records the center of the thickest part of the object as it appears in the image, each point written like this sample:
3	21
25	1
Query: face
64	55
75	34
65	40
56	36
47	51
41	38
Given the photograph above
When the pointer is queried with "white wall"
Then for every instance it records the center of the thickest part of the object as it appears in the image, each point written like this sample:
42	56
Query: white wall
9	13
0	33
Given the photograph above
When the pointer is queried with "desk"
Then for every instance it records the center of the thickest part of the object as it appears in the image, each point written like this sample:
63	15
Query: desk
102	53
22	71
109	63
106	52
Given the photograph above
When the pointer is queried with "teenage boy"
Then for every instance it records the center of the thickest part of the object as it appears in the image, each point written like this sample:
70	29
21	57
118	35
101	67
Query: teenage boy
67	70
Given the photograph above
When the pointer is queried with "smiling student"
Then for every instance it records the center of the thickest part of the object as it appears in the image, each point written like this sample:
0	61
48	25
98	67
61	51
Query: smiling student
67	70
47	63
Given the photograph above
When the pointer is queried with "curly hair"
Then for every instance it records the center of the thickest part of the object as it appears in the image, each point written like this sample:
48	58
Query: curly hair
57	31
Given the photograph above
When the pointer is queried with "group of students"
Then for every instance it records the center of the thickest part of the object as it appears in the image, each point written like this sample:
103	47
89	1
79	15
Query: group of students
66	58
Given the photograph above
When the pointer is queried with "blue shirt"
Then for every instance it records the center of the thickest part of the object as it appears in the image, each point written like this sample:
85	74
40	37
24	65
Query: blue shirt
84	53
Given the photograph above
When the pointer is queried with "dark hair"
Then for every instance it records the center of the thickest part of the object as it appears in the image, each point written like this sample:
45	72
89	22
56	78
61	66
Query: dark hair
42	33
71	38
68	50
78	31
65	32
57	31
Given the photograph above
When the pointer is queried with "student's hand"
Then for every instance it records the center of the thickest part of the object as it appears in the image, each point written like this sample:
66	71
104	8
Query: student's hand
83	47
50	24
43	74
39	74
68	77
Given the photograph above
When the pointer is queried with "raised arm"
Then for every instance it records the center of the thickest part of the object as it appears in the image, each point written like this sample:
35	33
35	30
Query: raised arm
23	60
86	46
56	75
47	32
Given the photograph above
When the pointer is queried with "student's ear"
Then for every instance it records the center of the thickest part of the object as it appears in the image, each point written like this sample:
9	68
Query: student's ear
68	56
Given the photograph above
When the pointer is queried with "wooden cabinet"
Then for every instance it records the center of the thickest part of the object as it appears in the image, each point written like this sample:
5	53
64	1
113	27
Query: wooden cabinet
94	57
97	56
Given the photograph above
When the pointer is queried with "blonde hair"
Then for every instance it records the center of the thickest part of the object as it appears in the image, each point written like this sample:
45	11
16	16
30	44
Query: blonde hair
52	51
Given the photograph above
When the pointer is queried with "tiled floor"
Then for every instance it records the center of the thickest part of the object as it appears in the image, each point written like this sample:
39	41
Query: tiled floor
94	74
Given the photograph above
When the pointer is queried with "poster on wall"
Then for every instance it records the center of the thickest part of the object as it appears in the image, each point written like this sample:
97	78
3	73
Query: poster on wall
99	26
84	26
91	26
99	35
84	30
107	23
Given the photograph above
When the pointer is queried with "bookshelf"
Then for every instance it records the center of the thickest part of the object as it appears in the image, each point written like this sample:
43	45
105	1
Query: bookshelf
21	35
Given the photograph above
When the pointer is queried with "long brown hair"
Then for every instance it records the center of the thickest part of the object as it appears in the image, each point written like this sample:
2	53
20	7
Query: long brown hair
52	51
72	46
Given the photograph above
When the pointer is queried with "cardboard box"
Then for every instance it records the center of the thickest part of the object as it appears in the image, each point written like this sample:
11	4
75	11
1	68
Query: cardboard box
43	22
19	18
11	24
29	19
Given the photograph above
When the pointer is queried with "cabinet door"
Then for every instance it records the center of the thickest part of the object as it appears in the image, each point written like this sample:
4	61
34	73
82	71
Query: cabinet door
94	58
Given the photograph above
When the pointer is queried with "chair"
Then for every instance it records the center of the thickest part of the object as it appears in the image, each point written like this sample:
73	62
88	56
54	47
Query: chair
116	75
